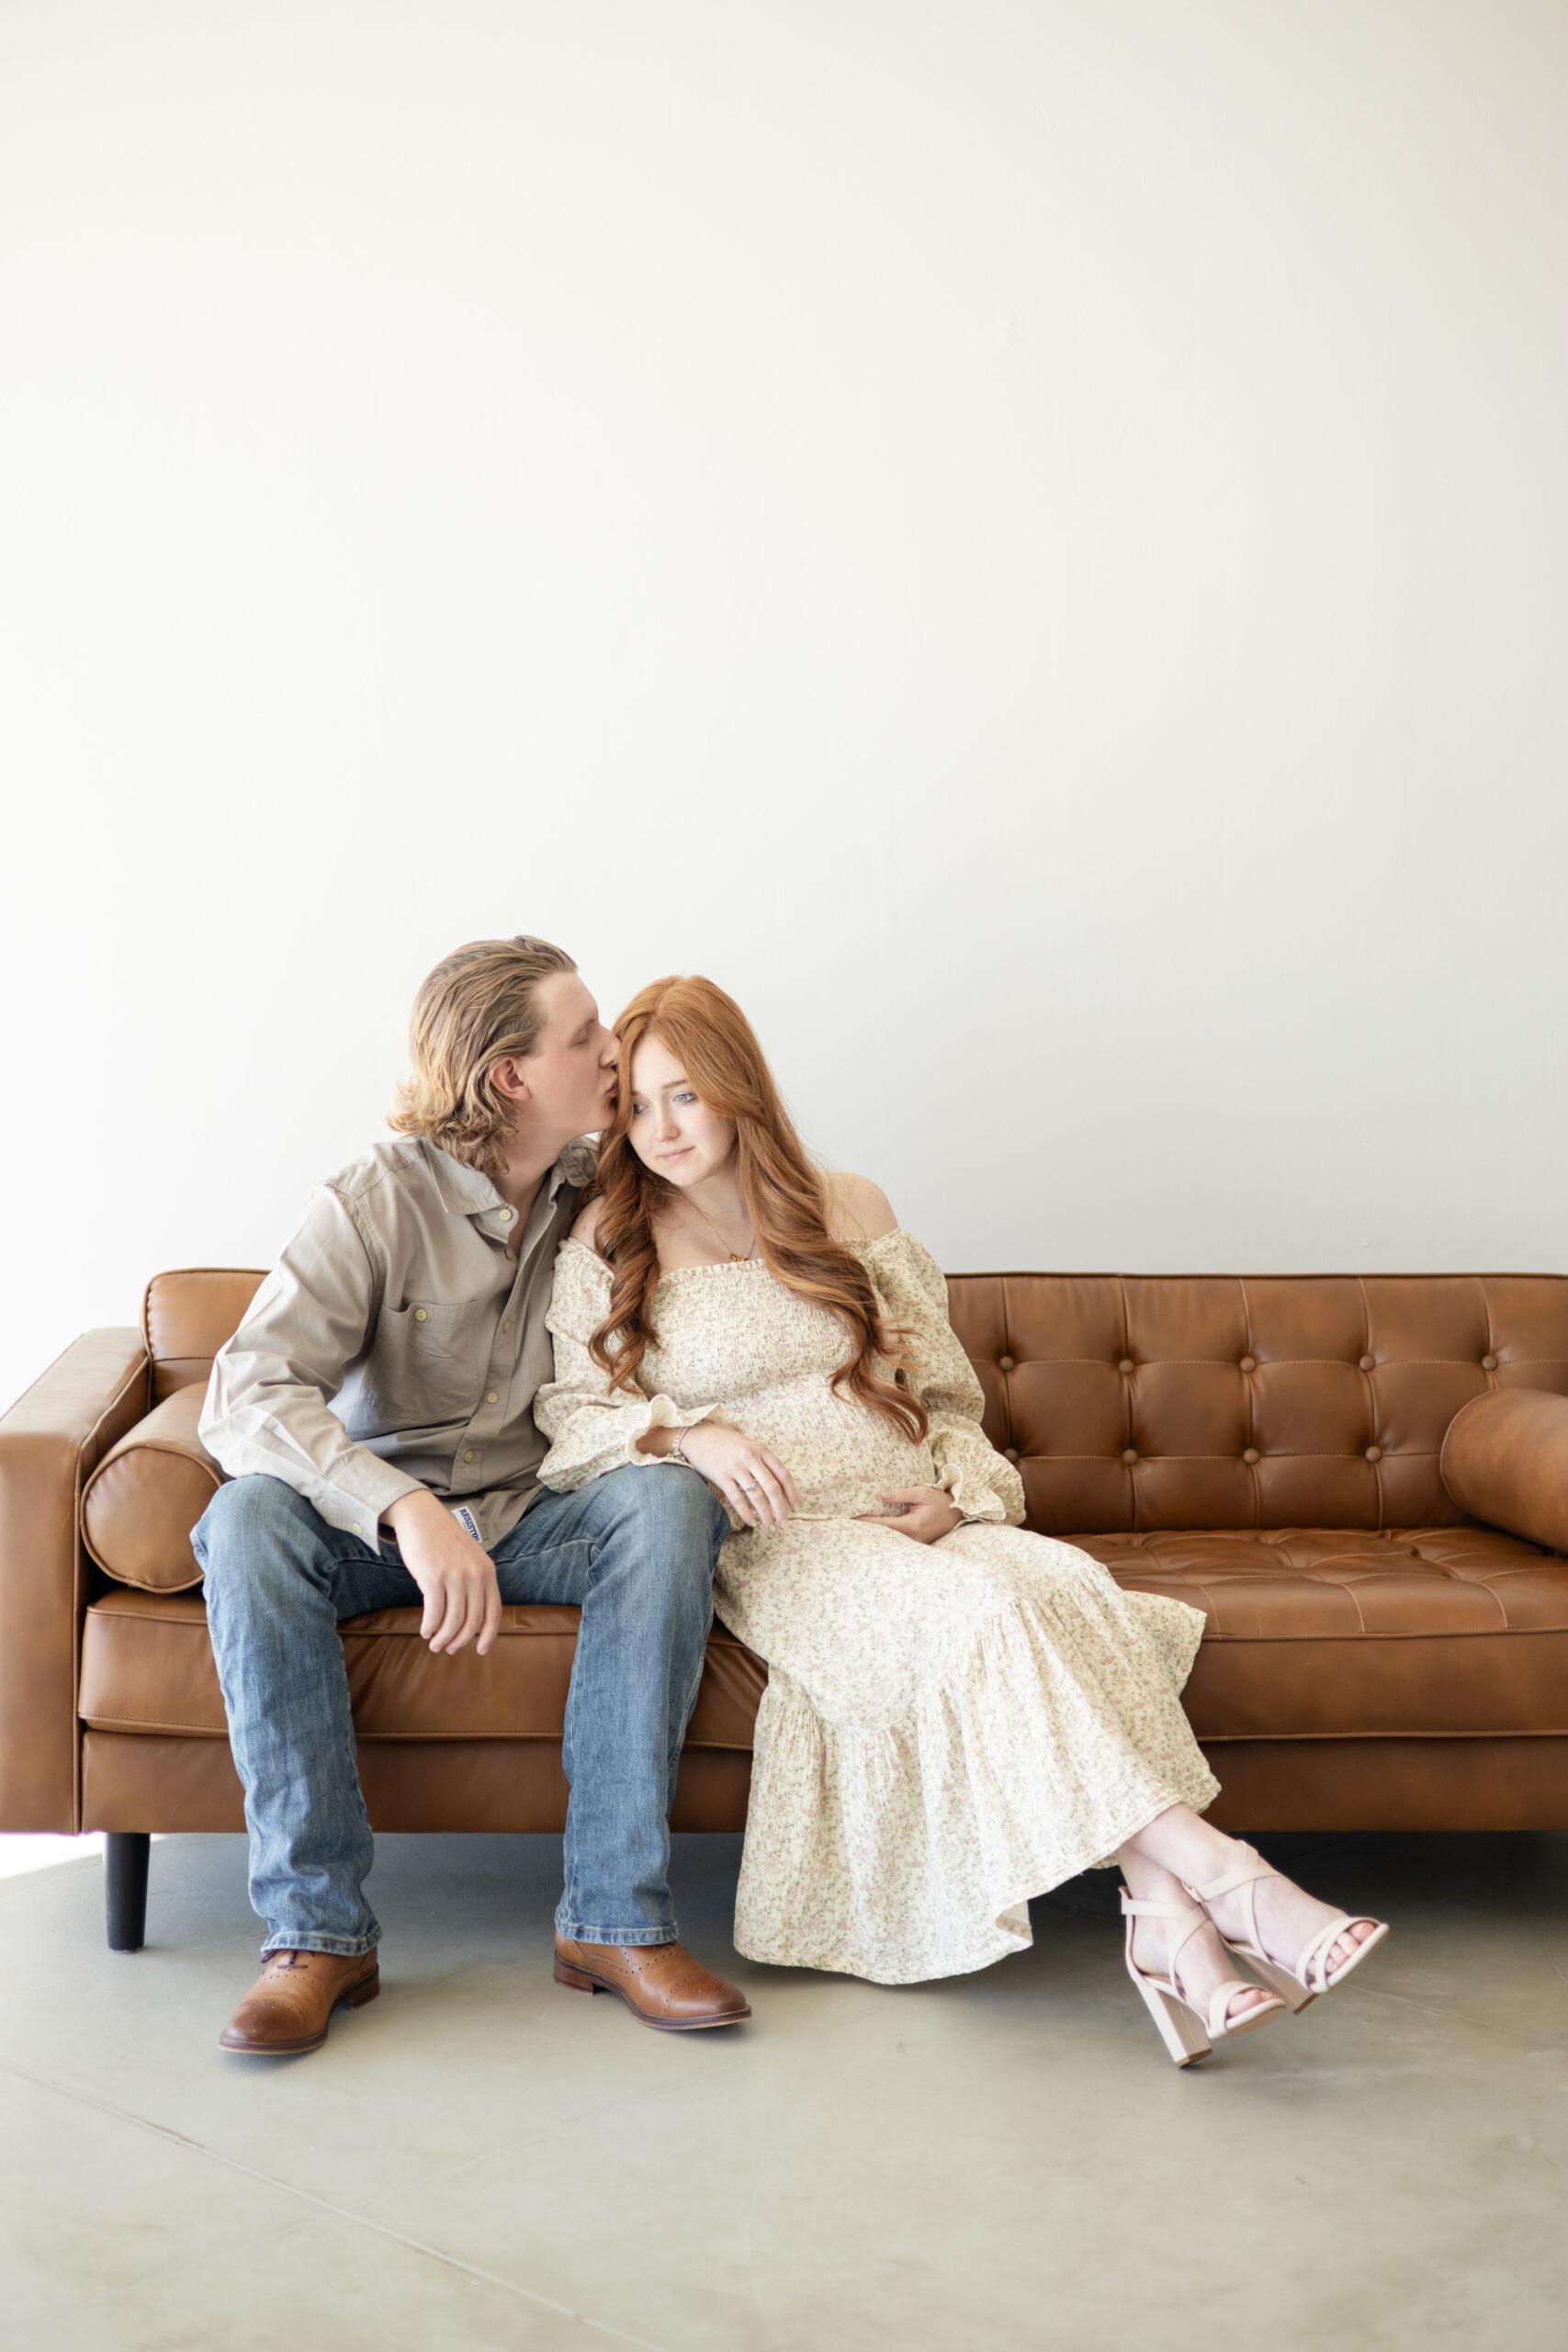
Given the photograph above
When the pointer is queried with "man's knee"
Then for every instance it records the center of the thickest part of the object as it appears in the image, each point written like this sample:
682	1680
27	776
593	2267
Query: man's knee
673	1509
250	1519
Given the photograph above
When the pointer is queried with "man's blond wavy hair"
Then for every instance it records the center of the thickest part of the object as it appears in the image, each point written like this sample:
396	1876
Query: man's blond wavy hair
478	1004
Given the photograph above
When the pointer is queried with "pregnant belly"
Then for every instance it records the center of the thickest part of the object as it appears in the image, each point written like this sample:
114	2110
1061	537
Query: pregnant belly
841	1457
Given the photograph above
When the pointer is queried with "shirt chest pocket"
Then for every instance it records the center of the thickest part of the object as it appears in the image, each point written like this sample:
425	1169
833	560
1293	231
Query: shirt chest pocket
427	1367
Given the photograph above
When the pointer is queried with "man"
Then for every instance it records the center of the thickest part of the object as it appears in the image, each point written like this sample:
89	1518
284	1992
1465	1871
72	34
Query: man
375	1412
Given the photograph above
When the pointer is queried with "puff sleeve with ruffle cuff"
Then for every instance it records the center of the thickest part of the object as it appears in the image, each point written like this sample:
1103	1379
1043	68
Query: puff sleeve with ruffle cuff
913	1290
982	1482
591	1428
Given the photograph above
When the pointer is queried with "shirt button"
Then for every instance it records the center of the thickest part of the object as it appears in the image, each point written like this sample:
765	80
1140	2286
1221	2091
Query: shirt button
506	1216
506	1325
470	1454
356	1528
491	1396
422	1315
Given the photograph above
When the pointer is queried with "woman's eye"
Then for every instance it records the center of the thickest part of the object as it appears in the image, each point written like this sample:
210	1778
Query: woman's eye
685	1098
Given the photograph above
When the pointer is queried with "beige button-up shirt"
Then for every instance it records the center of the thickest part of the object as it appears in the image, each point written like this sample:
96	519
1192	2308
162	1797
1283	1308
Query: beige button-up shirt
398	1342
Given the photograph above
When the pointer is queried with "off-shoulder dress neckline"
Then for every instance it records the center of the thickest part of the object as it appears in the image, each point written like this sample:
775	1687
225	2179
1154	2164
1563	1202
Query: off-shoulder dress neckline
860	1243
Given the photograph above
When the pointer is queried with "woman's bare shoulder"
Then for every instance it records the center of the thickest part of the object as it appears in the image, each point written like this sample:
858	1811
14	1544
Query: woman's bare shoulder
586	1229
858	1210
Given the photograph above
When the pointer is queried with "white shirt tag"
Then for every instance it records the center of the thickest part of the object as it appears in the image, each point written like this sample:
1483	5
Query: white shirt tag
465	1518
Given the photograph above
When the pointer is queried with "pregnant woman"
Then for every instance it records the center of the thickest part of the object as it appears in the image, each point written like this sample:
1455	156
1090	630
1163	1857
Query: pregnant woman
958	1715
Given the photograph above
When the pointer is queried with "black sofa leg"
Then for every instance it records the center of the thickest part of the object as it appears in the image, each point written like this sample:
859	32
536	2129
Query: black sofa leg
125	1887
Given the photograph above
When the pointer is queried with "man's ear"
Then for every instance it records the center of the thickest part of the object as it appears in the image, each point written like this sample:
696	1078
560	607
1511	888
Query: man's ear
506	1077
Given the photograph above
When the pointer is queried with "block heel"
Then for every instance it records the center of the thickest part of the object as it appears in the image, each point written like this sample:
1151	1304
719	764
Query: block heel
1181	2025
357	1998
567	1974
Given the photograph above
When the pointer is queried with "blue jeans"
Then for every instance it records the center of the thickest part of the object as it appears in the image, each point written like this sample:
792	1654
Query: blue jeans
634	1550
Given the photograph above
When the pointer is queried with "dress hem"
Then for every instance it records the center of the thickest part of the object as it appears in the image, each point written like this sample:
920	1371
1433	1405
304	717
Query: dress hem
1156	1791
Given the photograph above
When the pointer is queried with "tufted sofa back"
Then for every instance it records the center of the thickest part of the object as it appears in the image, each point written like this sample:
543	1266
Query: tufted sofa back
1233	1401
1139	1401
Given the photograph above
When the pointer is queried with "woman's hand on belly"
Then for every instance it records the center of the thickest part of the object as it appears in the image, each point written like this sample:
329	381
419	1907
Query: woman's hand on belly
923	1513
750	1477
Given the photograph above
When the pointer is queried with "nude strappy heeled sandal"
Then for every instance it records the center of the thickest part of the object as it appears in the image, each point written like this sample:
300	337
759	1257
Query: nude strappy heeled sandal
1182	2025
1312	1974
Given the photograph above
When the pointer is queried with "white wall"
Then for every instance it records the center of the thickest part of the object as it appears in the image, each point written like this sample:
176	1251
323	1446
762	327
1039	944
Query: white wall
1026	537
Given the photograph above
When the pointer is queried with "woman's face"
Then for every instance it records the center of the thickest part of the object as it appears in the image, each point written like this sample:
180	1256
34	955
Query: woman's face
671	1131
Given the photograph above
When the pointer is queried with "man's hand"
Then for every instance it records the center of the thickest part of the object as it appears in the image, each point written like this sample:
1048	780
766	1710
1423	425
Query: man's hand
457	1575
924	1513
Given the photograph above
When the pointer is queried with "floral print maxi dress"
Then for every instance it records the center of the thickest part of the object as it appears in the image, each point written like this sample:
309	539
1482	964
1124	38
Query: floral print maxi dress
947	1728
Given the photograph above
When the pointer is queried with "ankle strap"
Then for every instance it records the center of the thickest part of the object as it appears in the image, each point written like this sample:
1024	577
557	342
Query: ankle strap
1131	1910
1247	1872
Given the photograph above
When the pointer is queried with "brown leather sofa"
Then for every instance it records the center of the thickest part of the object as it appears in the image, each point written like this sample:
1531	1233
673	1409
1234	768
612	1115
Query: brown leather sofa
1362	1482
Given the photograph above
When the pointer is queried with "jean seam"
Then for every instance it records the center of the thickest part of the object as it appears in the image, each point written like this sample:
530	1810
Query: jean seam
674	1757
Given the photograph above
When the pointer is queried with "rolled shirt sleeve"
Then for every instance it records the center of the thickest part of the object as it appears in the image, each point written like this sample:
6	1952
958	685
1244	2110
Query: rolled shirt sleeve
268	1401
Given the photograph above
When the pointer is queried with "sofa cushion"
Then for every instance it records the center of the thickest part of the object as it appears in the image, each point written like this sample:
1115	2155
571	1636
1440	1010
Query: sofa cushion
1333	1632
1136	1402
141	1503
147	1666
1312	1633
1506	1459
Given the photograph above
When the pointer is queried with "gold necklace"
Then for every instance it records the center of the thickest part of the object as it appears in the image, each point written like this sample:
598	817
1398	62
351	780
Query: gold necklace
736	1257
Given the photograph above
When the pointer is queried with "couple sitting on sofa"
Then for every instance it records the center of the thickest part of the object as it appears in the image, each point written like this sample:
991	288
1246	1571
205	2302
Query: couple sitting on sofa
494	1366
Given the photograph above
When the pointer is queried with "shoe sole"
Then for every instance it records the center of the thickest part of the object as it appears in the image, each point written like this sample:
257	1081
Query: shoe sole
580	1980
355	1998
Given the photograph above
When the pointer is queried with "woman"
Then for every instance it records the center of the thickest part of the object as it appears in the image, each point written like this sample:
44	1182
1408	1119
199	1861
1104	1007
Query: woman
958	1715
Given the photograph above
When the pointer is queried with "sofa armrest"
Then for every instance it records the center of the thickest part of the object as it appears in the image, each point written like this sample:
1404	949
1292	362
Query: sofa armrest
51	1442
1504	1460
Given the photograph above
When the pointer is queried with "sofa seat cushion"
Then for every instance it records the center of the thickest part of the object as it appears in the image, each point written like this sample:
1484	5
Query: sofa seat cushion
147	1666
1313	1632
1333	1632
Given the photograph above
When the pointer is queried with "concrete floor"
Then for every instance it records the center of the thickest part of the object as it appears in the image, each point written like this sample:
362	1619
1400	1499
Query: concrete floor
482	2159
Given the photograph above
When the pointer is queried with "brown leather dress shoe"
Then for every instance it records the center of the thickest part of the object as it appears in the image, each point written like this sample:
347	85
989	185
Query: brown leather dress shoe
661	1985
285	2011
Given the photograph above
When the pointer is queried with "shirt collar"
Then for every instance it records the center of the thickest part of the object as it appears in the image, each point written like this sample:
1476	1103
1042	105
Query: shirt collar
467	1191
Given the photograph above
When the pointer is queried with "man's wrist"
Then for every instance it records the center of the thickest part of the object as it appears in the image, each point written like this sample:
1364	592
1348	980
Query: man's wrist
409	1506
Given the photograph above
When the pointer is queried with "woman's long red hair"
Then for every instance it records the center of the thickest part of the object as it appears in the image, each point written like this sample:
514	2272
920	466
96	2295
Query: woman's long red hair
718	1050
